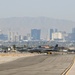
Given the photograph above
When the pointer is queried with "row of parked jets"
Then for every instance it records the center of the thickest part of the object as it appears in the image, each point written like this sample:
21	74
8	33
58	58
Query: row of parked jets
46	50
42	50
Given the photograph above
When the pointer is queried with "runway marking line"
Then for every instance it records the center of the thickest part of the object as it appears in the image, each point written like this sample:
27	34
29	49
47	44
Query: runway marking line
66	71
71	67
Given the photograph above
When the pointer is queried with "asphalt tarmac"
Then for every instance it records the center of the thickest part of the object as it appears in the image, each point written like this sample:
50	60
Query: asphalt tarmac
37	65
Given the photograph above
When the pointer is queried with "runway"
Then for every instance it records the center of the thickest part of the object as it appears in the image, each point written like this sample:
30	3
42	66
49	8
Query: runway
37	65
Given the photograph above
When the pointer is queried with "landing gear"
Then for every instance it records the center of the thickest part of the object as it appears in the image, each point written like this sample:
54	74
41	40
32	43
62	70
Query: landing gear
49	52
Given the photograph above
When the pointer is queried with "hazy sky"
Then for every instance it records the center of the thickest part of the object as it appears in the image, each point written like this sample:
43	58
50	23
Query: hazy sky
60	9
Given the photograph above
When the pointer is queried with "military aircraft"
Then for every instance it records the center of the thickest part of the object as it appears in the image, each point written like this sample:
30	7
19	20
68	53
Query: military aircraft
37	50
44	50
49	51
21	49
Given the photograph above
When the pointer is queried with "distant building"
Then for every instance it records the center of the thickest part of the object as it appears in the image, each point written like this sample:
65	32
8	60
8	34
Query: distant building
20	38
73	35
16	37
59	36
13	37
28	36
51	31
73	30
56	30
3	37
9	36
25	38
35	34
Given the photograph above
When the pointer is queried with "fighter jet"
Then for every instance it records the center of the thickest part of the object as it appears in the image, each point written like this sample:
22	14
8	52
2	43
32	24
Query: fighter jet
49	51
37	50
44	50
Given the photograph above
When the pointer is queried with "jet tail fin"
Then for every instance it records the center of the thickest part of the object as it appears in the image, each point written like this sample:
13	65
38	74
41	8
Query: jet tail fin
56	47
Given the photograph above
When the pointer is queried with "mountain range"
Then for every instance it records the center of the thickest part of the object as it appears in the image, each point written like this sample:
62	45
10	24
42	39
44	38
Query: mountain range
23	25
